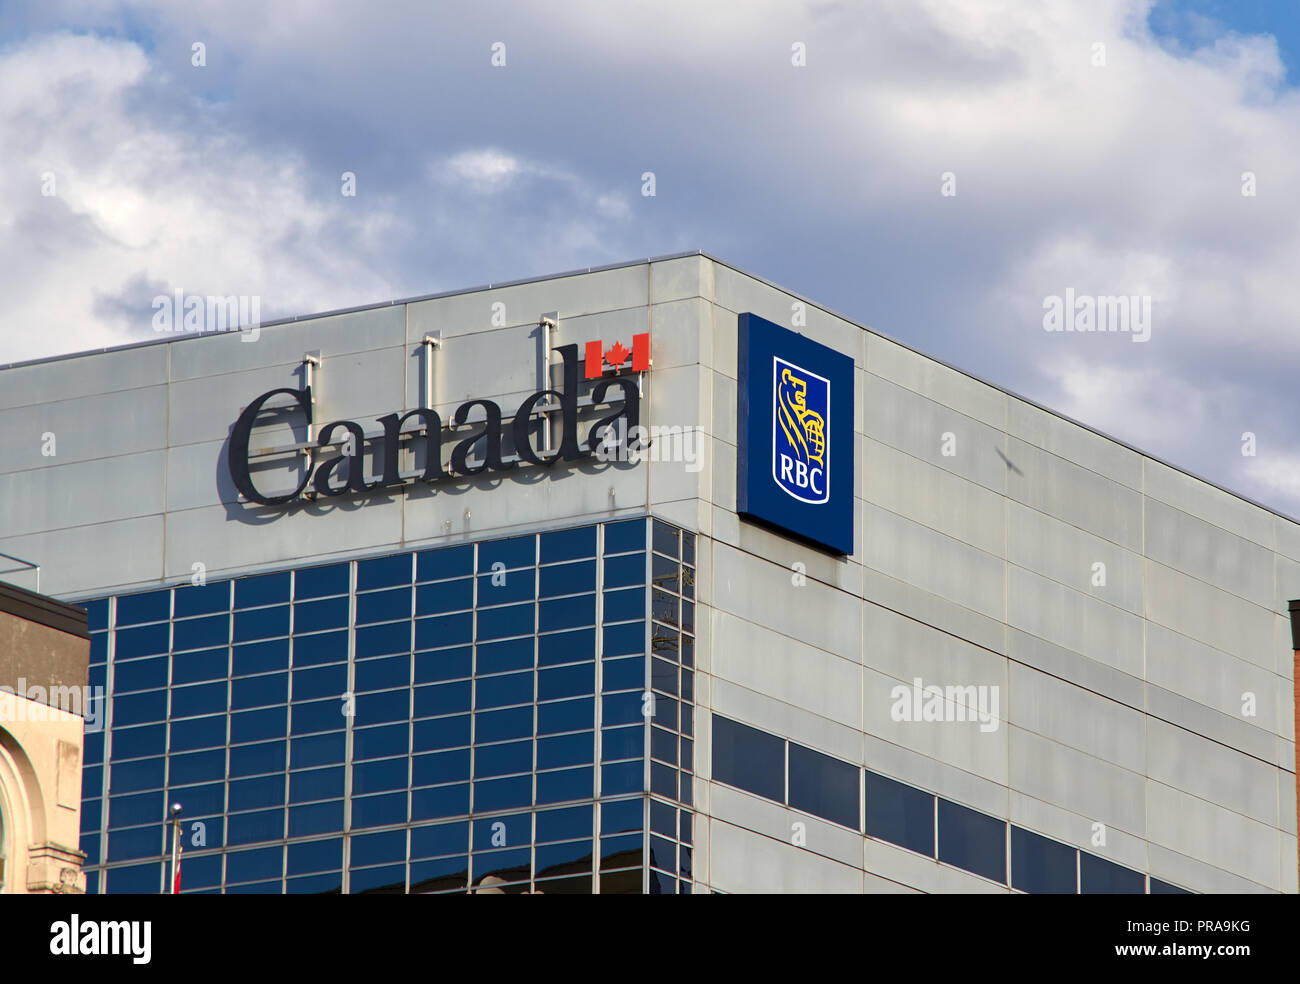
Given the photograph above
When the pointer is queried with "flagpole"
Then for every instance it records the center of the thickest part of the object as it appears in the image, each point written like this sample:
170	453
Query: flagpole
176	842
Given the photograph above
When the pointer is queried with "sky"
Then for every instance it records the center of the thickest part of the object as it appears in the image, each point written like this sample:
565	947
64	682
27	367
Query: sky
936	169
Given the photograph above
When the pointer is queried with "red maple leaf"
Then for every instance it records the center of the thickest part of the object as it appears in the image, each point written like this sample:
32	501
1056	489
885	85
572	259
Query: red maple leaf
617	355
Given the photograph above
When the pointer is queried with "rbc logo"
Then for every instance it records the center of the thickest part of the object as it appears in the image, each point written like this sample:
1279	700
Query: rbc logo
800	432
789	388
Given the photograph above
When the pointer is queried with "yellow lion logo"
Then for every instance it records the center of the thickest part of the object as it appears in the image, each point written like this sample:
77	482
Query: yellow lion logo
805	429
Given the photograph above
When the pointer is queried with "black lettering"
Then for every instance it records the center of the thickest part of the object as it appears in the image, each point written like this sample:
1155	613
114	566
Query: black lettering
356	480
630	409
491	438
432	445
237	452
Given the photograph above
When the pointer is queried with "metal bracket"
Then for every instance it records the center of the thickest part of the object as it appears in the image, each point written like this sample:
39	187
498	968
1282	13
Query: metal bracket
431	341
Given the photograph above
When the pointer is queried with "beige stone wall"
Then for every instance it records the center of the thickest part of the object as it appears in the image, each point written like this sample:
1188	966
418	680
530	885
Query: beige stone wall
40	797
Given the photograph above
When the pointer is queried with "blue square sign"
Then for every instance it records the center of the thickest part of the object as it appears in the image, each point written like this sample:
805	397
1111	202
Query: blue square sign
794	468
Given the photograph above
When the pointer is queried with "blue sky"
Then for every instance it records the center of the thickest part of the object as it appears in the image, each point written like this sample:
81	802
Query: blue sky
1193	22
1114	174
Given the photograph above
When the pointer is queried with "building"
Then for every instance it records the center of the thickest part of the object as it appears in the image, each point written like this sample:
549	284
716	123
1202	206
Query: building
849	620
44	653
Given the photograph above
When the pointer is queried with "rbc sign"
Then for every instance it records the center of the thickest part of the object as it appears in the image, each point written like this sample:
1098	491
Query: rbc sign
795	415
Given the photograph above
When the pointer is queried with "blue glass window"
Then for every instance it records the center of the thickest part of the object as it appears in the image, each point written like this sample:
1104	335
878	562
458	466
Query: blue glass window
317	750
574	680
437	768
568	544
139	708
316	784
501	587
383	572
382	848
318	818
96	614
504	690
266	862
319	582
205	732
387	705
623	674
444	596
148	640
436	802
194	767
625	708
1041	866
382	776
261	657
135	809
259	725
200	633
383	673
622	777
556	717
251	760
624	640
566	613
1097	876
500	657
626	570
317	715
211	664
135	742
442	698
255	794
435	565
503	794
259	691
323	681
748	759
312	616
503	759
263	589
378	811
260	623
436	631
383	606
508	620
202	600
564	579
445	732
151	606
200	801
324	647
565	824
566	647
823	786
972	841
621	743
248	828
380	742
900	814
439	840
318	855
519	551
629	535
443	664
624	604
516	722
137	842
